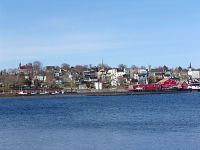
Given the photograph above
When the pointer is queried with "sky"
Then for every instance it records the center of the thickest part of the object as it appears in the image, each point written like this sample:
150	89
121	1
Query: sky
83	32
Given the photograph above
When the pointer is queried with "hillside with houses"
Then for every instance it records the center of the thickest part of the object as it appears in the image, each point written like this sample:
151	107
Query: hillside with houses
83	77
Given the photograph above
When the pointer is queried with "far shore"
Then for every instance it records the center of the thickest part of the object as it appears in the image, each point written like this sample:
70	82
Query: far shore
78	93
106	92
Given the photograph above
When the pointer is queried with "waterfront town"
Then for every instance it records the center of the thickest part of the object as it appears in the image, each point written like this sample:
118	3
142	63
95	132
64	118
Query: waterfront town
35	78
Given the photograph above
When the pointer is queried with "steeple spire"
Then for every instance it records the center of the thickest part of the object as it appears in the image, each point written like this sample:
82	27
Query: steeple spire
102	65
20	64
190	65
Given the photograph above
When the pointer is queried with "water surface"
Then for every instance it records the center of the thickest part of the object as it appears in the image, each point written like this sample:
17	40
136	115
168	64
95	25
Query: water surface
153	122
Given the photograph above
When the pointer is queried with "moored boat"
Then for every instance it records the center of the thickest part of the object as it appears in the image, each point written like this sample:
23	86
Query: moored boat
22	93
44	93
194	86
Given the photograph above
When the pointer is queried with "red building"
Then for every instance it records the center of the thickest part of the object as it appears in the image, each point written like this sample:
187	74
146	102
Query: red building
26	69
165	84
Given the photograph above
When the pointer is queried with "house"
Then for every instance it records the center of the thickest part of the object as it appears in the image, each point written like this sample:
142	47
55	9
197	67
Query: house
141	75
40	78
98	85
26	69
193	73
50	68
159	73
116	76
101	74
82	87
90	76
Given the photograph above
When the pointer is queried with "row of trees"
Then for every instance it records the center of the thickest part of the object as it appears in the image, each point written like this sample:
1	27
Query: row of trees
38	67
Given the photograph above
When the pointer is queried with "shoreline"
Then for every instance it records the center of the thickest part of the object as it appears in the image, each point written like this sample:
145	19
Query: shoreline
99	93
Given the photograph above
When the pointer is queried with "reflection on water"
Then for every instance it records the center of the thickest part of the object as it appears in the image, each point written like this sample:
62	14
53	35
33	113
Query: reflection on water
95	123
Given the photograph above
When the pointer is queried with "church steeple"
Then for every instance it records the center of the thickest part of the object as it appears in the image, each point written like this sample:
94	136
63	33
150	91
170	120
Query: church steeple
102	65
20	64
190	66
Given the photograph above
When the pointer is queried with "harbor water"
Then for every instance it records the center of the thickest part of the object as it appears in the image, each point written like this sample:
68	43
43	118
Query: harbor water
143	122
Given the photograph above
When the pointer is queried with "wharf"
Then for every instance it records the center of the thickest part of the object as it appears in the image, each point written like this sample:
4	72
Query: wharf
129	93
104	93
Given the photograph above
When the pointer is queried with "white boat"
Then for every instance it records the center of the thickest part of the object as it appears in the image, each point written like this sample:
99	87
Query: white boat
62	92
139	88
22	93
56	92
44	93
194	86
33	93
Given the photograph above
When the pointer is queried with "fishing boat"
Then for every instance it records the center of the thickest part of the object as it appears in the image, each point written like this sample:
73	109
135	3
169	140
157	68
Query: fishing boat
194	86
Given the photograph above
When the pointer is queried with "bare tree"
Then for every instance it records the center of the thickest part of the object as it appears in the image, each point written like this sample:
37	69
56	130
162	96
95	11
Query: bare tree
122	66
134	67
103	66
20	80
86	66
121	80
79	69
165	68
12	71
179	68
37	67
143	67
65	66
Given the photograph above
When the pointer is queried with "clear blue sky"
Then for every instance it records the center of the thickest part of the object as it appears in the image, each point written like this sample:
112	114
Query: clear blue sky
140	32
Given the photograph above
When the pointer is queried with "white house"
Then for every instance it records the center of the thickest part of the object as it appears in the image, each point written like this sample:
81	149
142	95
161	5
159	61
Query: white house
114	74
40	78
141	76
98	85
193	74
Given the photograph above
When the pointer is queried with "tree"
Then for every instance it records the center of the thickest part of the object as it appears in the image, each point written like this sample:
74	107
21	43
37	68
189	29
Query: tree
134	81
86	66
180	68
143	67
151	79
90	66
37	67
20	80
160	69
79	69
134	67
103	66
12	71
165	68
122	66
7	81
37	83
121	81
65	66
28	82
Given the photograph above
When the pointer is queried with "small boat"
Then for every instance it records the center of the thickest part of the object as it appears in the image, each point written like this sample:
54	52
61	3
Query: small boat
22	93
55	92
33	93
194	86
62	92
44	93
